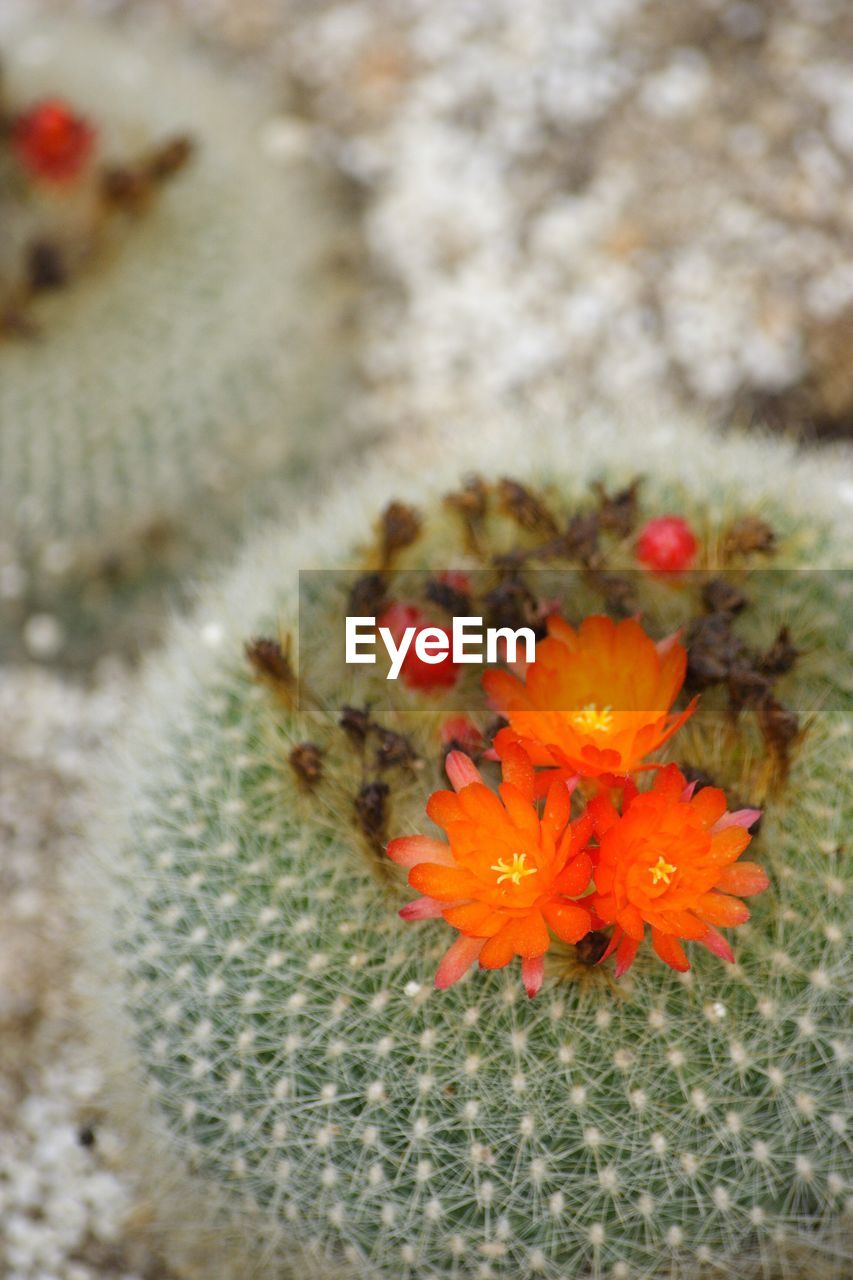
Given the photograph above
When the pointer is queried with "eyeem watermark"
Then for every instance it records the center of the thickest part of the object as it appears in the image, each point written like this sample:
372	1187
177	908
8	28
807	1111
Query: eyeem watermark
469	641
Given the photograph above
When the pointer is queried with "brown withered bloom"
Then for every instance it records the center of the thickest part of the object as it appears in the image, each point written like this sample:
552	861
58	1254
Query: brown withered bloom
617	512
591	948
123	187
270	661
511	604
780	727
580	541
129	187
747	687
356	724
169	158
448	596
712	650
393	749
370	809
306	761
525	507
747	535
618	593
399	527
367	596
471	503
719	596
781	655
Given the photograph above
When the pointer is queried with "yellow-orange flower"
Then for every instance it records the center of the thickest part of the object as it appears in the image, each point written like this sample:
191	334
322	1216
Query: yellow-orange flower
670	861
508	875
597	700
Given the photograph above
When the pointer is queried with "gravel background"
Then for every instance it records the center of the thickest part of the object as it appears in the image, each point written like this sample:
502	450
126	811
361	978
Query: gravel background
561	202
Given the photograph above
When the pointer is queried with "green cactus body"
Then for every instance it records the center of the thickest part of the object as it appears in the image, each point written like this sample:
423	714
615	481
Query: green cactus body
308	1101
202	359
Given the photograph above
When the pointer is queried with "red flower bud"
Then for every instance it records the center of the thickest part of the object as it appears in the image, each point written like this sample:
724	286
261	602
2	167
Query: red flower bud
51	142
667	544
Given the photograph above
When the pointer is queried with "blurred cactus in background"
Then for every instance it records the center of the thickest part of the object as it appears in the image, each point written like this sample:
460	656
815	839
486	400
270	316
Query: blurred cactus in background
302	1101
198	357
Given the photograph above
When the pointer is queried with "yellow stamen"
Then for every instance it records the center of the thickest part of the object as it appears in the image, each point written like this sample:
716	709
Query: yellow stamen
515	870
662	870
591	720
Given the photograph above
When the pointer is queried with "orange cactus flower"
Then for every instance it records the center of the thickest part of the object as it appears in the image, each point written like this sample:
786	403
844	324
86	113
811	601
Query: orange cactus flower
596	701
670	860
508	875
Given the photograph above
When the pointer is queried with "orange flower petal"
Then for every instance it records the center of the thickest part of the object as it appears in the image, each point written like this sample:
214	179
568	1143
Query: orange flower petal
504	691
517	768
717	908
670	950
475	918
569	921
632	922
728	844
448	884
574	879
743	878
709	804
498	950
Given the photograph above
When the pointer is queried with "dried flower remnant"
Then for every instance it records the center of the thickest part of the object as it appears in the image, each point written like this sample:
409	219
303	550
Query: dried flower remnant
781	729
399	527
670	861
130	187
719	596
667	544
356	724
272	664
393	749
52	142
306	761
712	650
781	656
507	877
617	512
370	809
580	541
747	535
526	508
592	948
597	701
471	502
368	596
451	591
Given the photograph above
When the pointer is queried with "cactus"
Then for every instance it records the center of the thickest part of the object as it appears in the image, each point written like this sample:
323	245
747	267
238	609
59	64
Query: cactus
299	1094
198	362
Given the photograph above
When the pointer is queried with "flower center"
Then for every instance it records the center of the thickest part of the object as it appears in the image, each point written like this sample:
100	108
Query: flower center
662	870
591	720
514	870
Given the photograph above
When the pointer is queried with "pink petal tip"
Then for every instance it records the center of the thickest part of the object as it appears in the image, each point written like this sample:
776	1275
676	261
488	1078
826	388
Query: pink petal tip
532	973
461	770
